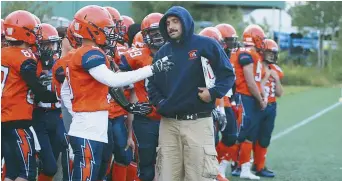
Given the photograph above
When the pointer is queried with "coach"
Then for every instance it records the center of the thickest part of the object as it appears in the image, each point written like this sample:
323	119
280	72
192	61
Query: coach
186	136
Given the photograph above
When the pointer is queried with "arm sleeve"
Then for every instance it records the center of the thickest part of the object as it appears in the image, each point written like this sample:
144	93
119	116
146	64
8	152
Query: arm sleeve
59	74
66	98
28	71
222	68
102	74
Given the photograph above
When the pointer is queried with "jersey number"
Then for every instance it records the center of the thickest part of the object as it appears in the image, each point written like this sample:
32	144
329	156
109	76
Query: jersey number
135	52
257	77
69	83
4	74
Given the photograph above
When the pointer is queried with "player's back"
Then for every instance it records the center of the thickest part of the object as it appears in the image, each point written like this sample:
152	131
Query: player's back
17	99
238	59
87	94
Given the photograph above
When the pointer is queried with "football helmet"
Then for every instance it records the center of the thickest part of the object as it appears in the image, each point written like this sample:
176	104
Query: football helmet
74	41
36	18
138	40
270	52
126	23
212	32
49	45
254	35
150	31
95	23
21	26
229	35
3	42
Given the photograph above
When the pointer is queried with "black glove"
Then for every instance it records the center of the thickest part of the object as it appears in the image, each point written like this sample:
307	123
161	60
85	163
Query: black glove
162	65
45	80
140	108
220	117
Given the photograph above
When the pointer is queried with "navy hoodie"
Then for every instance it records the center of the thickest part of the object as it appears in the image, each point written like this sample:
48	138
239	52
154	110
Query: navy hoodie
176	91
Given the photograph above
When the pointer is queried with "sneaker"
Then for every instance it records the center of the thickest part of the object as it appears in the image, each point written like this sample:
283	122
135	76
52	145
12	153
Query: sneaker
255	170
265	173
246	172
236	172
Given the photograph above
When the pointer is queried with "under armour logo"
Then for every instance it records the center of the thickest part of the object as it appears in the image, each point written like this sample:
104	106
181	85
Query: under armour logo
190	117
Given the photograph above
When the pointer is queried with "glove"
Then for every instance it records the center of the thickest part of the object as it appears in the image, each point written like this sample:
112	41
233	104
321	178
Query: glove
162	65
140	108
45	80
220	116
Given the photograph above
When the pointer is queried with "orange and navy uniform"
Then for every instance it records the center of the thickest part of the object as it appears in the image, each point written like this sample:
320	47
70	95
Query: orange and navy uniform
270	84
87	94
133	59
58	72
240	58
115	109
17	100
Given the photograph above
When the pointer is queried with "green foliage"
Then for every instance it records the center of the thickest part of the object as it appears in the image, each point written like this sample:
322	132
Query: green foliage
215	14
306	76
39	8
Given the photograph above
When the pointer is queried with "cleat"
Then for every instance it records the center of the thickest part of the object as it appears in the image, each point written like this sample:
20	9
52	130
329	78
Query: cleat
265	173
236	172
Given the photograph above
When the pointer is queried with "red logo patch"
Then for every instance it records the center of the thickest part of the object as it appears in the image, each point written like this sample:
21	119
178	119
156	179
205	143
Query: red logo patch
192	54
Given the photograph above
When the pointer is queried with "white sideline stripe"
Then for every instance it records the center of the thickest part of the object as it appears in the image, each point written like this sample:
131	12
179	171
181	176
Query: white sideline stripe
305	121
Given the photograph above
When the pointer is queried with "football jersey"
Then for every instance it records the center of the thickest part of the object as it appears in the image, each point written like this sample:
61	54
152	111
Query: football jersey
240	58
115	109
87	94
271	85
16	98
58	69
134	59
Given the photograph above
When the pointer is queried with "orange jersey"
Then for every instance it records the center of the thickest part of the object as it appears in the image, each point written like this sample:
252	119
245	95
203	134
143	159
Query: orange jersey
133	59
17	100
119	50
60	64
226	102
241	57
270	84
87	94
115	109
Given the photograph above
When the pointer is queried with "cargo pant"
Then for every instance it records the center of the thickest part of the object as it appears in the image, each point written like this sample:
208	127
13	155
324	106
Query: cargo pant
186	150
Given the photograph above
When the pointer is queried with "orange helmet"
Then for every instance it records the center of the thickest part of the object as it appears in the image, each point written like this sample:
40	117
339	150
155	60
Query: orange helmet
254	36
36	18
212	32
138	40
49	45
114	13
123	29
94	23
21	26
150	30
2	29
270	52
75	42
229	35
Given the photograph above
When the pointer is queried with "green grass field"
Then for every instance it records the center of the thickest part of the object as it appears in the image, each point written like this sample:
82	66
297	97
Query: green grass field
312	152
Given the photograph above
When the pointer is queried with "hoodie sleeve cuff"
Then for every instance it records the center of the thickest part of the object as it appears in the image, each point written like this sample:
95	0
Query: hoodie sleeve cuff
213	94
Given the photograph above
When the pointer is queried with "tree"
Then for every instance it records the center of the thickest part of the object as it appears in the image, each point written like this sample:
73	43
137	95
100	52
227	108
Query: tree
320	15
215	14
40	8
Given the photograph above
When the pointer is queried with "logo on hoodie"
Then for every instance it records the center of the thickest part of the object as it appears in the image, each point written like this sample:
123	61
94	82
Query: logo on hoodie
192	54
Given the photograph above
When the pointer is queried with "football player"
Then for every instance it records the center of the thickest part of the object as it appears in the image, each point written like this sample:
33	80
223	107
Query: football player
248	70
19	83
88	78
227	149
273	89
146	128
219	114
